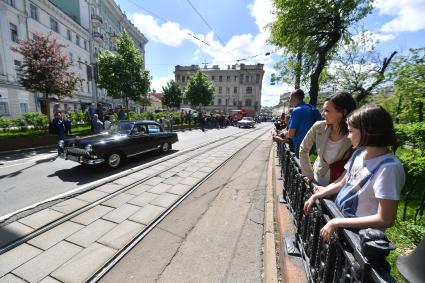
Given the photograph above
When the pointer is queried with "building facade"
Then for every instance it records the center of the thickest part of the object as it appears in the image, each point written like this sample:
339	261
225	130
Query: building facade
85	27
238	86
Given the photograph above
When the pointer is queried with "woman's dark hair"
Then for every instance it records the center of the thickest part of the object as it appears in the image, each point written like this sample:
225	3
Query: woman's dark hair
375	125
344	103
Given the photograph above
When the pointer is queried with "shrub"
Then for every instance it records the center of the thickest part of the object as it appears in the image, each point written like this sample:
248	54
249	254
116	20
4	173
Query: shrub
78	117
5	123
36	119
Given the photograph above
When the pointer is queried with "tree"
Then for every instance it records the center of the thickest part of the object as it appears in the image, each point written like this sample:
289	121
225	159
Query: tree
313	29
409	83
45	68
199	90
358	68
122	74
172	95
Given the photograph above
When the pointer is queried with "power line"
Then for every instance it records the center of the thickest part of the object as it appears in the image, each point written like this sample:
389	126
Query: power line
205	21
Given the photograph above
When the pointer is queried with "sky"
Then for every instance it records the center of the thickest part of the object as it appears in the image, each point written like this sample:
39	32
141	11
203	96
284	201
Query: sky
224	32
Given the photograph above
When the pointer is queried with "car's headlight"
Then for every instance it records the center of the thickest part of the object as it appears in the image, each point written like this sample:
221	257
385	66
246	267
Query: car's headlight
61	143
89	148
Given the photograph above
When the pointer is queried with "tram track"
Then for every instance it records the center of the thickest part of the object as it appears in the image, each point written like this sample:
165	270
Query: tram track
174	160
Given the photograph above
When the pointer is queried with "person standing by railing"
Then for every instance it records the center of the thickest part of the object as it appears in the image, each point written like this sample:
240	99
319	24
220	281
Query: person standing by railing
330	137
302	118
368	193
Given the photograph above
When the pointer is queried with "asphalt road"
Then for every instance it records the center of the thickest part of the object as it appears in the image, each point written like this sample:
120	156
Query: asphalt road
30	177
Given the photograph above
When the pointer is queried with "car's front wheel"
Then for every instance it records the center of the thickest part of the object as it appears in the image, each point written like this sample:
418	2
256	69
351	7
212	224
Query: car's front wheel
113	159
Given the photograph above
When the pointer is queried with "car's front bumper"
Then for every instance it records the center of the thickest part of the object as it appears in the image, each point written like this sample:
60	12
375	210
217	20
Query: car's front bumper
81	156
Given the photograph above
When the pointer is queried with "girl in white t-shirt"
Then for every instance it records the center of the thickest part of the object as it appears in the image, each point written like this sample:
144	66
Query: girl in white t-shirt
368	193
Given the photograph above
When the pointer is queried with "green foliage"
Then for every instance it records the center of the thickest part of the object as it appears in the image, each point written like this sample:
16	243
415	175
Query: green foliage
313	28
78	117
408	75
412	138
172	97
36	119
5	122
122	74
199	91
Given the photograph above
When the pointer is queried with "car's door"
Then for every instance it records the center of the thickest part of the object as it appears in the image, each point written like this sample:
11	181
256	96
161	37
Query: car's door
156	134
139	139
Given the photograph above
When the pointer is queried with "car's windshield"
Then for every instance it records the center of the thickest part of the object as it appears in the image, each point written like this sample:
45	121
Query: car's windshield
122	127
247	118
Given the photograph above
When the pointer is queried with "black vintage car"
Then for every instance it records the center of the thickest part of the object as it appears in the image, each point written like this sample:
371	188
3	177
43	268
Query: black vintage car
124	139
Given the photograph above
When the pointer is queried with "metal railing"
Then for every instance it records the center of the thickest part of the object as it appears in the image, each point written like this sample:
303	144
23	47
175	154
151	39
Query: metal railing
350	256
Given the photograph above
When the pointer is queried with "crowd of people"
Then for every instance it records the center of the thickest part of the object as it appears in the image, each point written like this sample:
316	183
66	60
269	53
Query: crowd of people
354	161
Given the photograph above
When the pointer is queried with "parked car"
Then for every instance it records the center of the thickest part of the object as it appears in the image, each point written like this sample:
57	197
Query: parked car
246	122
124	139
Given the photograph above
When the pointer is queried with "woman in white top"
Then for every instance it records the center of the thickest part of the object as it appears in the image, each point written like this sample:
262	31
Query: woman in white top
330	138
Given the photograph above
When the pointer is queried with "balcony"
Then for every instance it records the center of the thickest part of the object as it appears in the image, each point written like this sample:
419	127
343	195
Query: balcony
96	20
97	36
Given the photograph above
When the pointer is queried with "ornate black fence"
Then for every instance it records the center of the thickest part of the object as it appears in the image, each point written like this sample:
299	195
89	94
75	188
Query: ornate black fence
351	256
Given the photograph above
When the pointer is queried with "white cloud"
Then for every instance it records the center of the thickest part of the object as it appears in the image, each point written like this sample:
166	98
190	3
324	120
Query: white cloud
409	14
158	83
261	10
168	33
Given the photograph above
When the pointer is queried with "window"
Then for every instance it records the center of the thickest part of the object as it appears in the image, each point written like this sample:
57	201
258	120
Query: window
234	102
71	57
227	90
257	78
248	102
235	89
240	78
219	101
13	32
239	103
153	128
213	78
10	2
77	39
17	68
220	78
220	89
55	27
228	78
4	109
246	79
85	44
68	34
177	77
24	107
183	78
33	12
249	89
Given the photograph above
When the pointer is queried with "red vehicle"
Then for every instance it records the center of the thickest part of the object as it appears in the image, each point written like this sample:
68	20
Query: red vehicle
243	112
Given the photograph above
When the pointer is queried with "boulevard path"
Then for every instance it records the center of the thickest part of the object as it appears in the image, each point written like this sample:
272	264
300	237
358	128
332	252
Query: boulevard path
197	217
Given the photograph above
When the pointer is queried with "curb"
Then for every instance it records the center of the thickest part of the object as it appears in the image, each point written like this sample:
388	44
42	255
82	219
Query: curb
292	266
270	265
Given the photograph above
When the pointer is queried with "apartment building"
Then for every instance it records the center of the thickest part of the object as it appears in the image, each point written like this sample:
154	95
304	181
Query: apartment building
238	86
85	27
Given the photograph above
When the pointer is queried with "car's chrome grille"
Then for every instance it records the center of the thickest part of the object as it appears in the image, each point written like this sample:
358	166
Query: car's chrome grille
76	151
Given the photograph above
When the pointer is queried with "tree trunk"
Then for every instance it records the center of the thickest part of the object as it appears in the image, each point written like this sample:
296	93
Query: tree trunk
47	104
298	70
